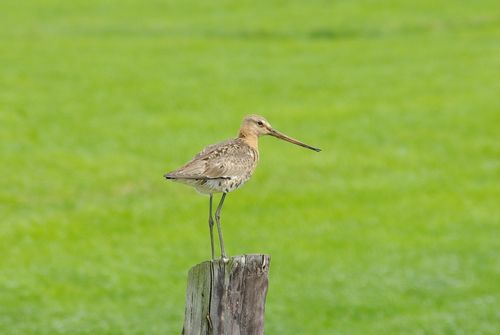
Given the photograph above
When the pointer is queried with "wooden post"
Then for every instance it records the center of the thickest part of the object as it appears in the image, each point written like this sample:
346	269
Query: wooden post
227	297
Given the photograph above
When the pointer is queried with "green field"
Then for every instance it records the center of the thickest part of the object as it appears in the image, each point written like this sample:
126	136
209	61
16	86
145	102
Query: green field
394	228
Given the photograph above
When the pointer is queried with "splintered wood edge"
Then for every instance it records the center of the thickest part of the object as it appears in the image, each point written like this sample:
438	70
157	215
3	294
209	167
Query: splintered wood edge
239	259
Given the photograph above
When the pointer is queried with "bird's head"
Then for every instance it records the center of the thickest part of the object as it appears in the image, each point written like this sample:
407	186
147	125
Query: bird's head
256	125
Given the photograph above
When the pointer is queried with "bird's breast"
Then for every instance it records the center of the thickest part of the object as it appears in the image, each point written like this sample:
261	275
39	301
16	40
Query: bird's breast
223	185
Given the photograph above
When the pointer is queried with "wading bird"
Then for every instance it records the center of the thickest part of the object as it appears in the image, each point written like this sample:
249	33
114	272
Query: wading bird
225	166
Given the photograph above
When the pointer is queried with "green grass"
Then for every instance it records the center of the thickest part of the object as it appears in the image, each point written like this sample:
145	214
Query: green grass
392	229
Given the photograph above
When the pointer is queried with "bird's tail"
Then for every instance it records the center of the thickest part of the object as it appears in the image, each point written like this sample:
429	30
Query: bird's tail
169	176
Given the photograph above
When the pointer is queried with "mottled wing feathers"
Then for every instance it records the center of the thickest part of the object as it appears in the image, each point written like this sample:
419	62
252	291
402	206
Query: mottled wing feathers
223	160
231	160
209	149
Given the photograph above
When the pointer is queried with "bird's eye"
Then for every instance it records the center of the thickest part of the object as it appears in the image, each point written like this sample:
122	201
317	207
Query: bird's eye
260	123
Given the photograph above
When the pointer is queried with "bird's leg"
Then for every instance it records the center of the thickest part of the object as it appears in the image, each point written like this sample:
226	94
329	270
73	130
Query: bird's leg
211	226
217	219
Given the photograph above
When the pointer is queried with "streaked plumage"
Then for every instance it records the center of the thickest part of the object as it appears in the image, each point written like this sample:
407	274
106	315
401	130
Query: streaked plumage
226	166
221	167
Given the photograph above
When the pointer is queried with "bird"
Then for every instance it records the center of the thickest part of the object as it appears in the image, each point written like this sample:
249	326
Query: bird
226	166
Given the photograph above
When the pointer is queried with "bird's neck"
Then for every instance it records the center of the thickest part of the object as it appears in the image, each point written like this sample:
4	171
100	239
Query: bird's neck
249	138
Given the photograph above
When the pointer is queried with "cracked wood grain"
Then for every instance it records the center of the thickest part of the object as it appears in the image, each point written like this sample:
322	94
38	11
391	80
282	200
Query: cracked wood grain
227	297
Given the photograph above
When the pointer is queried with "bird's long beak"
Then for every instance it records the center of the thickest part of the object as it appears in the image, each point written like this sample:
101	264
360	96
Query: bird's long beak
275	133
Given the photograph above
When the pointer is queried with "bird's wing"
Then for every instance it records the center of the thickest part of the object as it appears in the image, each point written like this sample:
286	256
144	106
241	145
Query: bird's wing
234	159
219	161
209	149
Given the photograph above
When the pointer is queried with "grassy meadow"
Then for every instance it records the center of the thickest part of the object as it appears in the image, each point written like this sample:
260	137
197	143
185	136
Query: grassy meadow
393	228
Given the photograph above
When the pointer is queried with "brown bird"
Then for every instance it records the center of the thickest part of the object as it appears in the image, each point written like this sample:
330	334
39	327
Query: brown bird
225	166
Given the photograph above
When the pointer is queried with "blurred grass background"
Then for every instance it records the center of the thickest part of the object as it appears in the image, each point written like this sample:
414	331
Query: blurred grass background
393	228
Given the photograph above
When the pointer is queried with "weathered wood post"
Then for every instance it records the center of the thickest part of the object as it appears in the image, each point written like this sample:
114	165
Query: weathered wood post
227	297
